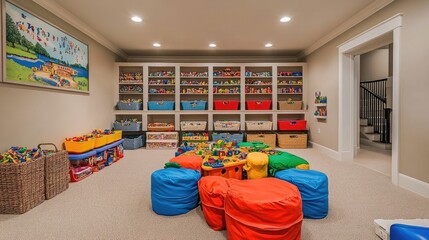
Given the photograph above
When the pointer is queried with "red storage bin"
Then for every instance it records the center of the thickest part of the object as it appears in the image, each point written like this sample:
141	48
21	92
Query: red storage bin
226	104
292	125
258	104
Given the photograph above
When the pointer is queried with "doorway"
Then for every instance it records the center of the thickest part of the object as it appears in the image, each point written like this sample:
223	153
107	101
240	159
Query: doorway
349	88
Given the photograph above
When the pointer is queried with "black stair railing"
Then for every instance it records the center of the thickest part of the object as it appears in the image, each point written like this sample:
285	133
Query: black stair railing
374	108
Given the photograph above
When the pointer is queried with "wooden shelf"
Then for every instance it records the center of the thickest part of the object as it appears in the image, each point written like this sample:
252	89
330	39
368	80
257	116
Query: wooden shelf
131	83
261	93
162	94
287	84
259	85
321	117
226	85
193	93
161	76
289	76
226	93
162	85
320	104
232	77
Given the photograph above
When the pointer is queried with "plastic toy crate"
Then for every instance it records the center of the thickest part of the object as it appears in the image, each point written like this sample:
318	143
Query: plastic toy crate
292	140
100	141
132	126
290	105
258	105
193	125
226	125
193	105
133	142
267	138
226	104
292	125
156	128
161	136
79	173
115	136
161	105
130	106
259	125
79	147
161	144
227	137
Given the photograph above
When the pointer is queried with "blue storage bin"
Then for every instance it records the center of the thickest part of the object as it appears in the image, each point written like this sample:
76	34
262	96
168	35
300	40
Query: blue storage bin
134	142
161	105
227	137
409	232
174	191
193	105
313	186
133	126
130	106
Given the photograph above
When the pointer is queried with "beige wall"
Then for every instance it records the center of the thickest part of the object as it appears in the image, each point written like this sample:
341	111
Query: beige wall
374	65
32	115
414	85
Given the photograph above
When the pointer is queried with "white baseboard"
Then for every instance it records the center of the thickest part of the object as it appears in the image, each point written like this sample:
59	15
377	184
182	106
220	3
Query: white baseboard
327	151
414	185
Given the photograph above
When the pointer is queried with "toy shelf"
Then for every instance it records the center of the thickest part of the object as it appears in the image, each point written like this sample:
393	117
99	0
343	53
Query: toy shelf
178	77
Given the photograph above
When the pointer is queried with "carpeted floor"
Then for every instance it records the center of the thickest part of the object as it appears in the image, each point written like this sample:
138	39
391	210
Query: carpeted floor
115	204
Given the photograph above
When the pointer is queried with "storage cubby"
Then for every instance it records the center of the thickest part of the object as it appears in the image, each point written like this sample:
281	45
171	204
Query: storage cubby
161	122
210	92
289	83
130	74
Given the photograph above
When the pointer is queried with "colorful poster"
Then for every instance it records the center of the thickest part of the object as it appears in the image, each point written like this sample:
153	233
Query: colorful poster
40	54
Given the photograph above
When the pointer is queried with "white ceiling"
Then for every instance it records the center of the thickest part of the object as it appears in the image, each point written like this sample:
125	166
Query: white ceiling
234	25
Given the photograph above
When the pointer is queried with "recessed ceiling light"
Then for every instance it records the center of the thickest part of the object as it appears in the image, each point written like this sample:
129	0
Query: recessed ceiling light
157	45
136	19
285	19
268	45
212	45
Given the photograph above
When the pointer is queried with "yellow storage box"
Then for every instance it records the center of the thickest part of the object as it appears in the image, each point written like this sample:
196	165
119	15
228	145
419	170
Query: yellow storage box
100	141
79	147
256	165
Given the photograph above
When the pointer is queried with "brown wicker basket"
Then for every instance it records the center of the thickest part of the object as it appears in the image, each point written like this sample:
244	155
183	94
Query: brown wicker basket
298	140
57	167
290	105
267	138
22	186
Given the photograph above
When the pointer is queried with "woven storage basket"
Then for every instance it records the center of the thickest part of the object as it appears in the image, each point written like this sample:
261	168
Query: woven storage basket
290	105
259	125
22	186
57	175
267	138
193	125
292	140
226	125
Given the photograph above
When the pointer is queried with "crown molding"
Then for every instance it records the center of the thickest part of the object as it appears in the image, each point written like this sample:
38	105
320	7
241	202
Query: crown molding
351	22
71	19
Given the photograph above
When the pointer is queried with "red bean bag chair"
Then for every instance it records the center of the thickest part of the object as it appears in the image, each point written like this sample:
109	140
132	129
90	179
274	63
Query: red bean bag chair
265	208
189	161
212	191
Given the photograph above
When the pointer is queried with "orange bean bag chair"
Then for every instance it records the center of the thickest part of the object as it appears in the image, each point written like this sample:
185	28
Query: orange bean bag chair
212	191
265	208
189	161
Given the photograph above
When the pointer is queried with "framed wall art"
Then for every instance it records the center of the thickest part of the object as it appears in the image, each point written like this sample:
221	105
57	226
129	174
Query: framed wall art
39	54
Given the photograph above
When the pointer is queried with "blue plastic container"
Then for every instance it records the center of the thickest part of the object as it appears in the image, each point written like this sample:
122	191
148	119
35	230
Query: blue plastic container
130	106
313	186
227	137
193	105
161	105
134	142
174	191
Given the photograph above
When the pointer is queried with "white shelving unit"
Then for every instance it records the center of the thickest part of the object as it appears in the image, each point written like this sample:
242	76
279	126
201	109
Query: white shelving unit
275	82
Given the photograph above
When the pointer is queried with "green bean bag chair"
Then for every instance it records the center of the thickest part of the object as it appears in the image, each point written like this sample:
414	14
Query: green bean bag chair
256	145
283	160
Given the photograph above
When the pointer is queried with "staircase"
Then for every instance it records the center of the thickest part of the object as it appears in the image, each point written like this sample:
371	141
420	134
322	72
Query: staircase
370	138
374	115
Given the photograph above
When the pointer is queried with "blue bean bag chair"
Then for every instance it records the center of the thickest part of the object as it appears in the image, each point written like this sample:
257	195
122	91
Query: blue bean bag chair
174	191
313	186
408	232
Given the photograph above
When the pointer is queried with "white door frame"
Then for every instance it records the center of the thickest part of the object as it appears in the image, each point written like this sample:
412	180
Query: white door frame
348	133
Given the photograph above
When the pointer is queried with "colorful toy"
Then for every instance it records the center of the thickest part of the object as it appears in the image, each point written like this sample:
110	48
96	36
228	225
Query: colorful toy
194	74
161	81
20	155
162	74
131	89
172	165
130	77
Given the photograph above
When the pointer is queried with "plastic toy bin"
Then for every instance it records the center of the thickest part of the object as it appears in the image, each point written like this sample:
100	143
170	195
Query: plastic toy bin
161	105
292	124
79	147
130	106
134	142
100	141
115	136
132	126
258	105
193	105
226	104
227	137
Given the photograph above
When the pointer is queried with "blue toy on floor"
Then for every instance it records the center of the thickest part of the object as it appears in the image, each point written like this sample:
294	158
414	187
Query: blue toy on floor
408	232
